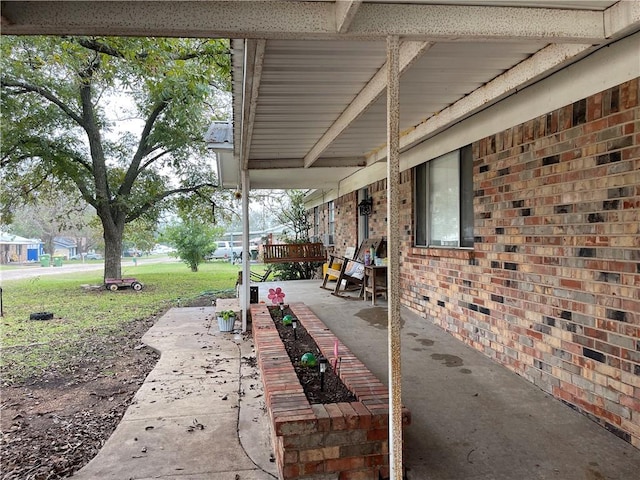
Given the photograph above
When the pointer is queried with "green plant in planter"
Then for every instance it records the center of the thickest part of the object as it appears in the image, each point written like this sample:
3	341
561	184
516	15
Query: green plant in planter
227	314
226	319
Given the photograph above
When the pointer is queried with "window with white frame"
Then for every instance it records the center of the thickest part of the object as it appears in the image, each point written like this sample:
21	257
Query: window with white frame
444	200
331	216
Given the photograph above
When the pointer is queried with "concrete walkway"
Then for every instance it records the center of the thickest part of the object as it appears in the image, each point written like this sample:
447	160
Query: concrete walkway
198	414
472	418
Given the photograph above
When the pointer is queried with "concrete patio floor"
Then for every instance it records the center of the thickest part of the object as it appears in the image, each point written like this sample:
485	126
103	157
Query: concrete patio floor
472	419
199	413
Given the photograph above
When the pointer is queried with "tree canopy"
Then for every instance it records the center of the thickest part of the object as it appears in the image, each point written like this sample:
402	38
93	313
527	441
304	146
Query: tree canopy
119	120
294	216
193	240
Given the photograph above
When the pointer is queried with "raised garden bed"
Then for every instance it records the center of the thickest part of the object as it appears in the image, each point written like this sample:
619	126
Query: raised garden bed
344	440
327	388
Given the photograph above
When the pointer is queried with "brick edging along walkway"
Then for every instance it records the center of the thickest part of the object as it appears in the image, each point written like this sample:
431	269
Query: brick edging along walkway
350	439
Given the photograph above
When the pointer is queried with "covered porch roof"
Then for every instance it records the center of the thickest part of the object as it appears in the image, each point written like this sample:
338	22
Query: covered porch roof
310	109
309	76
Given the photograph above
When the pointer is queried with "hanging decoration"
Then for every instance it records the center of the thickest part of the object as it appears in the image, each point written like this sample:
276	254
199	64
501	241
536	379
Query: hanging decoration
365	207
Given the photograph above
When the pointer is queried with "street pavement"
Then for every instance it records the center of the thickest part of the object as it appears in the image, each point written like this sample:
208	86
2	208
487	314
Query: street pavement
35	270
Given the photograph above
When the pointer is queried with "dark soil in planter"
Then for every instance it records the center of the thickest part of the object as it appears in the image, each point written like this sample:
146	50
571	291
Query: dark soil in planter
334	390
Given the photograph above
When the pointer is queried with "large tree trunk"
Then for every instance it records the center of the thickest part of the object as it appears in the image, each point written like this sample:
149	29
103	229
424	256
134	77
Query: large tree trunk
112	250
49	245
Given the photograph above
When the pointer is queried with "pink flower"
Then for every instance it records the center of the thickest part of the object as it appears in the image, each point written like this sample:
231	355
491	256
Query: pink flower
276	295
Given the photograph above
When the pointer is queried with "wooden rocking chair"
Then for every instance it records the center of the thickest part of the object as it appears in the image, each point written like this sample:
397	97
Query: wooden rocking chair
334	266
351	273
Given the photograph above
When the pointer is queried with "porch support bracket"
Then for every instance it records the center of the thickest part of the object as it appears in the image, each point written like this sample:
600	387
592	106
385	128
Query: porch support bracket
345	12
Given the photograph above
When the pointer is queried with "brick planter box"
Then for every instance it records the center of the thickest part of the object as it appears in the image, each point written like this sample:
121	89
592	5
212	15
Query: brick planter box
343	441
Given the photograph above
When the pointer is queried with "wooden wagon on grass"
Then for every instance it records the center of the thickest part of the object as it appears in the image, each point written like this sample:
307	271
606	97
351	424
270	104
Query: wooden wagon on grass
114	284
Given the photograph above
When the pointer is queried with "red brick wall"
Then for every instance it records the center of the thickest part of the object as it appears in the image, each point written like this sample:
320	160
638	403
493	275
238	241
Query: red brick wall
346	215
346	221
551	288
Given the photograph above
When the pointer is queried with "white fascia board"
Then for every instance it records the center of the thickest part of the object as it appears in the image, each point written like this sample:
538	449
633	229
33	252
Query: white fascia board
254	59
280	163
278	19
359	179
228	171
319	197
298	178
237	80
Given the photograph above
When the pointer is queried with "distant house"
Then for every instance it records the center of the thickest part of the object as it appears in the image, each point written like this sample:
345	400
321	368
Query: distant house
64	247
17	249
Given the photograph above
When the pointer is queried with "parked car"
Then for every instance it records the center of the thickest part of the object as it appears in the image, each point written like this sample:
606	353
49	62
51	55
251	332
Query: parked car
227	250
87	256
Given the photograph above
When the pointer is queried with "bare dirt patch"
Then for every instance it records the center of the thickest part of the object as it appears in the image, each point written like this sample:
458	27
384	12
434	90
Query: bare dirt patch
53	424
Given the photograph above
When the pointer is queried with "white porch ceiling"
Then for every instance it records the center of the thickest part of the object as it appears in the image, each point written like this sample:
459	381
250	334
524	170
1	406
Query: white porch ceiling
309	76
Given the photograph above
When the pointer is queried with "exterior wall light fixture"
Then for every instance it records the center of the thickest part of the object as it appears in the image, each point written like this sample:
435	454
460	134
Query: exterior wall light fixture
365	207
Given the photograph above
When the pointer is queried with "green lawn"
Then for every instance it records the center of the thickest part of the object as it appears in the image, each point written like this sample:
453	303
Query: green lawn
81	316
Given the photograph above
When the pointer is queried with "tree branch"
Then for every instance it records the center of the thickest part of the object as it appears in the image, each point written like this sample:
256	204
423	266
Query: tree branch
99	167
146	164
157	199
142	151
30	88
100	47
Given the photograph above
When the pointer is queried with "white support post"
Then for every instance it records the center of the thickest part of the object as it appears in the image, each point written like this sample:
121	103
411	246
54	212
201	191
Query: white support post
246	255
393	253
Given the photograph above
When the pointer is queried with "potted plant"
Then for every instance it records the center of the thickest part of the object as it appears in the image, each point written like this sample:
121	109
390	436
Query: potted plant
226	319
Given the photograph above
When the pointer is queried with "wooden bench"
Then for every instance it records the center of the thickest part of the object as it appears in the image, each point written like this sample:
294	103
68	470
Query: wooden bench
294	252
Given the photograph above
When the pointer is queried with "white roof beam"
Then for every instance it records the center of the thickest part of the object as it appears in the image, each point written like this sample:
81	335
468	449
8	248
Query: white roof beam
345	12
621	18
328	162
274	19
254	58
409	53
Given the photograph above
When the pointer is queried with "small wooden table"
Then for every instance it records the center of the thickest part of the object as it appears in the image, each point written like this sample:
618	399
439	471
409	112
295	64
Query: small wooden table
371	284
